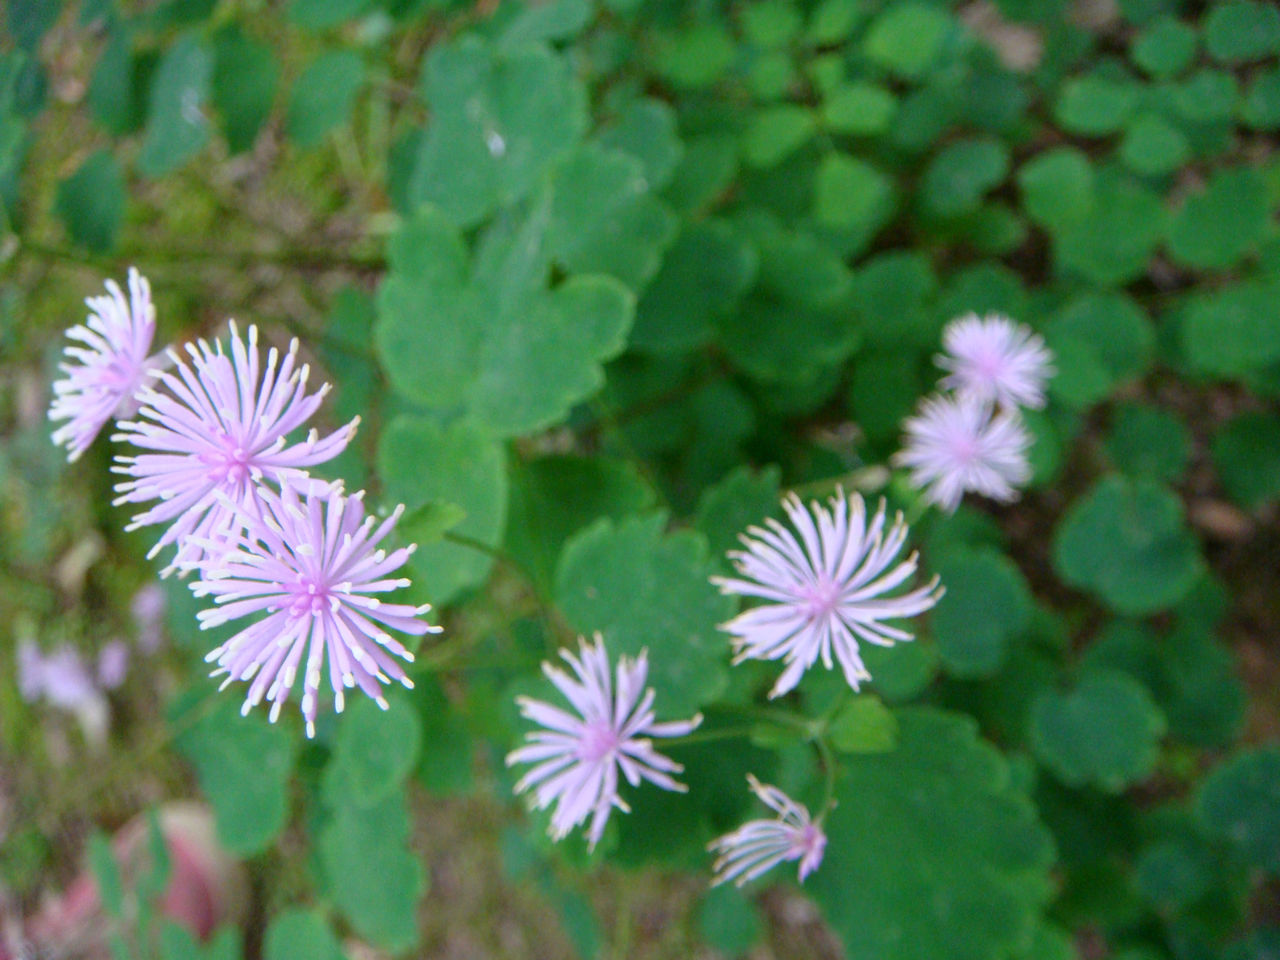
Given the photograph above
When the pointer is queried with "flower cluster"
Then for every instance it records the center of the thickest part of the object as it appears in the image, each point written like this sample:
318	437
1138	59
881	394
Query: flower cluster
972	438
216	466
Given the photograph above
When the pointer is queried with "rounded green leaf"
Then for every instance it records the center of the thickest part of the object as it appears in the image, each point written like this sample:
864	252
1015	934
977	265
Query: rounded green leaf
1153	147
987	604
770	23
1127	542
91	202
907	37
644	590
1241	30
1260	108
851	194
882	391
323	96
1094	106
1217	227
374	752
931	851
1057	187
1233	331
696	57
1148	442
1246	453
774	133
646	130
862	109
1165	48
743	498
728	921
300	935
177	127
244	86
420	461
1105	732
1240	801
863	725
962	172
1114	244
1099	341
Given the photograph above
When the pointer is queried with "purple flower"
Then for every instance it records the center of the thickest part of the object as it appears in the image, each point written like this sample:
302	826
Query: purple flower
312	564
106	365
147	608
960	443
113	664
577	758
217	437
61	678
995	360
760	845
824	591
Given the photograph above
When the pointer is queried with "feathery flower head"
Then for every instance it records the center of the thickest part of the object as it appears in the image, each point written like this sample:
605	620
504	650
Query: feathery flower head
106	364
760	845
312	564
960	443
218	433
577	758
822	592
995	360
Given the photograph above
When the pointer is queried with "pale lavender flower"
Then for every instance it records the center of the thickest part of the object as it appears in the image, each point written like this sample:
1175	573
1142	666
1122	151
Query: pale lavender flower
113	664
995	360
760	845
106	364
956	444
825	591
312	564
147	608
577	758
61	678
218	434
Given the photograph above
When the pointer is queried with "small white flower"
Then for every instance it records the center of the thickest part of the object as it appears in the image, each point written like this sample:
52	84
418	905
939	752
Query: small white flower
760	845
824	591
956	444
996	360
577	758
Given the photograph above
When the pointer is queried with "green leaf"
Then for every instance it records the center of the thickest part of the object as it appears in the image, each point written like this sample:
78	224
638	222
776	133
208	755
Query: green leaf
604	218
1242	30
553	498
245	73
1126	541
703	276
770	23
892	296
448	749
1146	441
705	172
646	130
1105	732
696	57
774	133
851	194
1099	341
1216	228
493	340
961	173
861	109
499	120
243	764
430	522
373	878
1232	331
29	20
743	498
300	935
728	921
118	87
322	14
375	750
1260	108
1246	453
91	202
555	20
421	461
1057	187
932	852
1165	48
645	590
907	38
1240	801
1207	96
986	605
833	20
1094	106
863	725
1153	147
177	128
323	96
1114	244
106	874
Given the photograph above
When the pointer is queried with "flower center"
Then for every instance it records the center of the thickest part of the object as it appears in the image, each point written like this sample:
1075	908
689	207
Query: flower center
310	598
229	463
599	740
821	598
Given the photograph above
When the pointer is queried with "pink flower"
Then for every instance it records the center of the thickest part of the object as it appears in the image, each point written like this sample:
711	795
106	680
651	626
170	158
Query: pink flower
760	845
577	758
995	360
218	434
824	591
960	444
104	373
313	566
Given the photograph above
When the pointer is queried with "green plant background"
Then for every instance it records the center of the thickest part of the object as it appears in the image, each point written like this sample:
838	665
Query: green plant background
603	279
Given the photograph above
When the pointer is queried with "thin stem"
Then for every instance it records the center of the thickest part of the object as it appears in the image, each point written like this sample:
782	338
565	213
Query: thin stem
829	771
